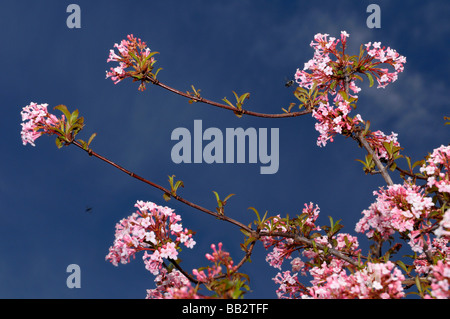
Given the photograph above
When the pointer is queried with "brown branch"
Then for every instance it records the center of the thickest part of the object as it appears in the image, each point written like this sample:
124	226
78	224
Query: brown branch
360	137
409	174
312	243
165	190
408	283
189	277
224	106
382	169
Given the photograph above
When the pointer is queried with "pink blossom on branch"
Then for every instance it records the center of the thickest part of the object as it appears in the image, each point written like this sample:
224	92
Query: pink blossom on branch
135	60
387	56
399	208
37	121
222	278
172	285
444	226
440	280
437	169
332	121
376	281
153	229
332	71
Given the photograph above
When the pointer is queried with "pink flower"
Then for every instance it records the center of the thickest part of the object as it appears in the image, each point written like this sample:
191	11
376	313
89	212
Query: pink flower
171	285
332	121
444	226
437	168
376	140
387	56
169	251
297	264
377	280
397	209
37	121
148	230
440	280
133	61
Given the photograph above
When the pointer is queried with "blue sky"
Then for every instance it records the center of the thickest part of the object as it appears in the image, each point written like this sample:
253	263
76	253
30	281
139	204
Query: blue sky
218	46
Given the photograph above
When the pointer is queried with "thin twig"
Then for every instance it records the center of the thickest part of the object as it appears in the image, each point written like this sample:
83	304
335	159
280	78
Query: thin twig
312	243
224	106
165	190
380	166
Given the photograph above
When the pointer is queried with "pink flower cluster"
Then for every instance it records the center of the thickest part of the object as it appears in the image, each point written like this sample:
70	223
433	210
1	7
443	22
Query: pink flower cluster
172	285
438	249
440	280
333	76
284	247
377	280
331	281
220	258
330	275
437	169
131	54
37	121
149	229
376	140
321	69
332	121
388	56
444	226
397	209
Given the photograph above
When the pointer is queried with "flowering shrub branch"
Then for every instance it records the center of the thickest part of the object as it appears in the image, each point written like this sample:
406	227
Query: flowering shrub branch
409	212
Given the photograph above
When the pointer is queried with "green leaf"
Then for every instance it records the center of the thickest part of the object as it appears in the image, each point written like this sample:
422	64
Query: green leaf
63	109
256	212
73	117
133	56
244	96
91	138
331	222
166	196
344	95
418	284
393	167
217	196
156	73
246	233
366	129
149	56
369	76
171	181
228	197
228	102
421	162
358	77
58	142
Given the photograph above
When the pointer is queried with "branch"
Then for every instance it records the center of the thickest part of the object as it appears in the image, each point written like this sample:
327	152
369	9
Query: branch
165	190
189	277
383	171
360	137
312	243
410	174
224	106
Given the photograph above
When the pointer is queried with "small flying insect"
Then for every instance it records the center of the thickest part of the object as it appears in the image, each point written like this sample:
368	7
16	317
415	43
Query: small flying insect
88	209
289	83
